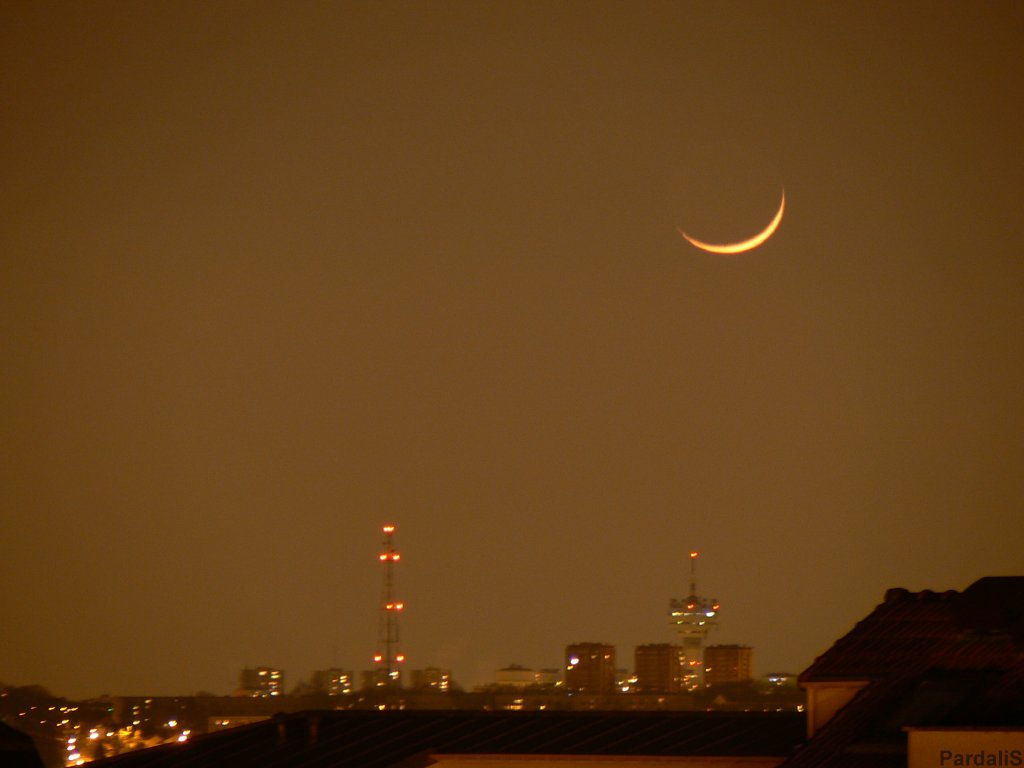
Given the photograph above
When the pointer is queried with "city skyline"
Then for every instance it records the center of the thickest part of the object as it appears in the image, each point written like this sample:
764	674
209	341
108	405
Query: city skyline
269	680
276	274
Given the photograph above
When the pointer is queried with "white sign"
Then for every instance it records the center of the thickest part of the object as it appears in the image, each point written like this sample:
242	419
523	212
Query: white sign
964	748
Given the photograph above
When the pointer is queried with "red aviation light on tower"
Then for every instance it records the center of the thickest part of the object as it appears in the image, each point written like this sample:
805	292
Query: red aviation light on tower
388	656
693	617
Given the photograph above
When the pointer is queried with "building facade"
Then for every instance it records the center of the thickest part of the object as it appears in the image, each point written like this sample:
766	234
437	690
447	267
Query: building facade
728	664
261	682
432	678
516	677
659	668
333	682
590	668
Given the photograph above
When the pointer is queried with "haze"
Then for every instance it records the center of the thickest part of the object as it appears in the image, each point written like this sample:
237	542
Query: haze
274	274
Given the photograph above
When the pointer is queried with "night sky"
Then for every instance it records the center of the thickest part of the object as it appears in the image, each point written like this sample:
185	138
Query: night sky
273	274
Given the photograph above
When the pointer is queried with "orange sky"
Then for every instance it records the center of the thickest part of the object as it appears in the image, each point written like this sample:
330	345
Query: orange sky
274	274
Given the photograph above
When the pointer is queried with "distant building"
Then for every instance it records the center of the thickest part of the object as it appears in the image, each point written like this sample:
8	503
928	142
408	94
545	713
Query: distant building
519	678
624	680
590	668
693	617
372	678
333	682
549	678
260	682
515	676
432	678
777	681
728	664
151	715
659	668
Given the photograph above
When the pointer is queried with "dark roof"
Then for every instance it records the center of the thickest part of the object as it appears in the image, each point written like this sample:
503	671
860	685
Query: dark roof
17	749
929	659
979	628
407	738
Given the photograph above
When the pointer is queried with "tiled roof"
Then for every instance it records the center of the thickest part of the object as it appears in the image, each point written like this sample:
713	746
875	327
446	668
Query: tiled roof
981	627
407	738
930	659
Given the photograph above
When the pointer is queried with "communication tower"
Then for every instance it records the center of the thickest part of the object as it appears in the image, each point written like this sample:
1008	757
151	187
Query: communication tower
693	616
388	659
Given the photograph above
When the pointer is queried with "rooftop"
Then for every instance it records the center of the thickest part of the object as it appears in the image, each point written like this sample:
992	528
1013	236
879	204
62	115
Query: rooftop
929	659
383	739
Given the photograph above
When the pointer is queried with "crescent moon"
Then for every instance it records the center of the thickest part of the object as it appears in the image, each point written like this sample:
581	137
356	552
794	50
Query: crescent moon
744	245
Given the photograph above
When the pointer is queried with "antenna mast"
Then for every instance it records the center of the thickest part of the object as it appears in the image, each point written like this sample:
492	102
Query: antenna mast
388	658
693	617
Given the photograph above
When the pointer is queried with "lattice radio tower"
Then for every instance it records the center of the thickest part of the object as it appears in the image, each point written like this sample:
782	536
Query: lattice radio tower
388	659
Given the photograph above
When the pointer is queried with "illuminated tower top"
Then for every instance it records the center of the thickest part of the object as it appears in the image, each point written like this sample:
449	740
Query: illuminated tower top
693	616
388	658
